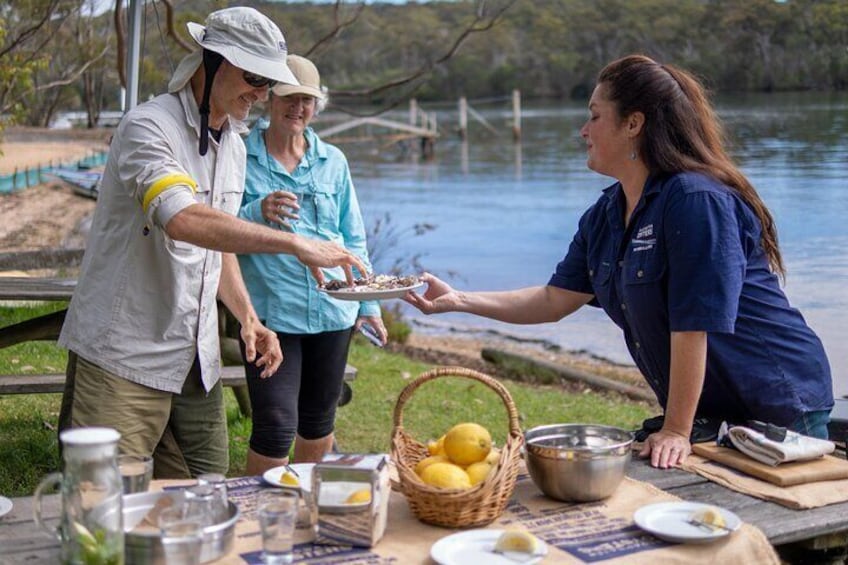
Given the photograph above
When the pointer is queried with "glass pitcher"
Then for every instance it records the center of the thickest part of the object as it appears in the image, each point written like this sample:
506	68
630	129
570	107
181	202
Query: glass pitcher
91	522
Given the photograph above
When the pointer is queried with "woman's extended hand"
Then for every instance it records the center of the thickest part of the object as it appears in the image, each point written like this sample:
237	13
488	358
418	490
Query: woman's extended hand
279	207
666	448
439	296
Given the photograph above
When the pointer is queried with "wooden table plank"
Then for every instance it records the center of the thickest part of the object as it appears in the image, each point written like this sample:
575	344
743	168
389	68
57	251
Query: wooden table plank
21	541
28	288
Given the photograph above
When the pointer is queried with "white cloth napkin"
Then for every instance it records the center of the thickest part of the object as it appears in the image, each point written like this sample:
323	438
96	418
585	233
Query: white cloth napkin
795	447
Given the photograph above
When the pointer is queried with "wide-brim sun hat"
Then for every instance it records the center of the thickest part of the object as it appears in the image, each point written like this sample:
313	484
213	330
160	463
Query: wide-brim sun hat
307	76
247	39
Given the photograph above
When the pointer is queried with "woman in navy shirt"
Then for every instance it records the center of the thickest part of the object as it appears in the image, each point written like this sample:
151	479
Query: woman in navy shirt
682	254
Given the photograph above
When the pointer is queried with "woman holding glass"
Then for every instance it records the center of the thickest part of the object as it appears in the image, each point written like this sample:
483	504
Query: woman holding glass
297	182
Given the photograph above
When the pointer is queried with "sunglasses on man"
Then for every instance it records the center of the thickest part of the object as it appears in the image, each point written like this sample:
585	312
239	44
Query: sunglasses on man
257	81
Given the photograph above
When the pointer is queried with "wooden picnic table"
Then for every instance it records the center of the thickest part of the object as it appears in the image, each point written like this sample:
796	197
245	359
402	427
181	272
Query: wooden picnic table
794	533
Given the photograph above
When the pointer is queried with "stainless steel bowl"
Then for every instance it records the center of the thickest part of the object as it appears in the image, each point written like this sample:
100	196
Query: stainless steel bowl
577	462
144	546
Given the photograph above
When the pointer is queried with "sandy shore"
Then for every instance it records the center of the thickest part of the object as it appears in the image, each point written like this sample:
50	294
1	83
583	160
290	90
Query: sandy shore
51	215
24	148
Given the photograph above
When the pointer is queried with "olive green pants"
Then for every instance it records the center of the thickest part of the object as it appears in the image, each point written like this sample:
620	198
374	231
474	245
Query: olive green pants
185	433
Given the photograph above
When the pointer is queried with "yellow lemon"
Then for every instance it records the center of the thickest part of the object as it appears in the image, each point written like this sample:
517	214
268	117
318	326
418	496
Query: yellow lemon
289	479
516	540
711	516
427	461
446	475
477	472
436	447
361	496
494	456
467	443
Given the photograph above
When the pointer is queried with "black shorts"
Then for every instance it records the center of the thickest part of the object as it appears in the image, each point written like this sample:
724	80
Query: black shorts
302	395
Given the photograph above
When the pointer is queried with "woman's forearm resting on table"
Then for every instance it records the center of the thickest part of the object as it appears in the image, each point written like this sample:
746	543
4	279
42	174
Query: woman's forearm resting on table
688	367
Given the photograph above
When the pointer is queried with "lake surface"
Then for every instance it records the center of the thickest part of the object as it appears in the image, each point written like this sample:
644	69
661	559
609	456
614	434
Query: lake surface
504	213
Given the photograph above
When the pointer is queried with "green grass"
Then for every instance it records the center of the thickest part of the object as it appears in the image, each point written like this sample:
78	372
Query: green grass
28	442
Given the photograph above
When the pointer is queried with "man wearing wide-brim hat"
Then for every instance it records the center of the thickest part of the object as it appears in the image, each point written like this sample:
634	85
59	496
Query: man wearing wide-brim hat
142	327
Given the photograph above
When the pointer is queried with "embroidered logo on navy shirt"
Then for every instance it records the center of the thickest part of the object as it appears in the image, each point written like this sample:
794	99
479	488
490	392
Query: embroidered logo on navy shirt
643	240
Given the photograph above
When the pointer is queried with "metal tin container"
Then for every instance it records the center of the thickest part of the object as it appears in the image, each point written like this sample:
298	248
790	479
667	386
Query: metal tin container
143	544
352	496
577	462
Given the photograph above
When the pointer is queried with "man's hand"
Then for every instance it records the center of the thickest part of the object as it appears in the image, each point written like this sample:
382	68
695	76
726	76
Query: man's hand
315	254
258	338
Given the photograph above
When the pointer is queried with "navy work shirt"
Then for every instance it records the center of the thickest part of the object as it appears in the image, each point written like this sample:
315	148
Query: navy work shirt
692	260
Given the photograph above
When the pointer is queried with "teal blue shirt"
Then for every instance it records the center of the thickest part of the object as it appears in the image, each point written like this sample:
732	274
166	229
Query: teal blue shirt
283	291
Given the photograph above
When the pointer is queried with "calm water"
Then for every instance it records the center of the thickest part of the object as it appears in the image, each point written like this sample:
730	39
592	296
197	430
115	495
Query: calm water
504	213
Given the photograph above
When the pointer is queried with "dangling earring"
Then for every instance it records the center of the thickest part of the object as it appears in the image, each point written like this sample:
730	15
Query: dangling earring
633	154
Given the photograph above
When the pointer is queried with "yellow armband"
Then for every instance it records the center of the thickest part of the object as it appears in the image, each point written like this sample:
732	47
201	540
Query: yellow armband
164	184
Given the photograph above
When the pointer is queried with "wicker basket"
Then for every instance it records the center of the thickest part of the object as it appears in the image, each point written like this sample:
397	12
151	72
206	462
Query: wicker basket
456	508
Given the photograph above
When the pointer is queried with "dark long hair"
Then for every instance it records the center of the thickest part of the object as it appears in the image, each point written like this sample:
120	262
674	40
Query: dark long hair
681	131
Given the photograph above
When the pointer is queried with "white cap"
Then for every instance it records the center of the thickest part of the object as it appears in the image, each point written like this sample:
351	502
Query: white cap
246	38
89	443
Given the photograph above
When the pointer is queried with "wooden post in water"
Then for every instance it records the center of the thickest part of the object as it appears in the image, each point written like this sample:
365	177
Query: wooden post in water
463	118
516	115
413	111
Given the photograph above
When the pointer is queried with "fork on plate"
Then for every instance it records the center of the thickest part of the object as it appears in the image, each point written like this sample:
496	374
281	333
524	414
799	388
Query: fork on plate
708	526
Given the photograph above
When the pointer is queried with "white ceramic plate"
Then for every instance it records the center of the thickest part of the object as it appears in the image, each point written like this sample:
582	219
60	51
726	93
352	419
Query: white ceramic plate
303	470
475	546
346	294
670	521
5	505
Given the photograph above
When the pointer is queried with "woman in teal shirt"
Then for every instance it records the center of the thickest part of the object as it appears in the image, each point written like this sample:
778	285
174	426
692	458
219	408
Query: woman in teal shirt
297	182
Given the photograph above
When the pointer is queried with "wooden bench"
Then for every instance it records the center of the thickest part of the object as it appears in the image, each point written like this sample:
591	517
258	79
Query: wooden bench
233	376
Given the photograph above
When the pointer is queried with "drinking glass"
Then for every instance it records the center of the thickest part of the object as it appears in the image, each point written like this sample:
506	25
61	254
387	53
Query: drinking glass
277	516
136	472
200	503
182	536
218	482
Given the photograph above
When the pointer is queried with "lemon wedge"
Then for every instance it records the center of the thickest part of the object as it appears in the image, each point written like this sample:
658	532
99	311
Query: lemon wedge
362	496
84	536
518	541
289	479
710	516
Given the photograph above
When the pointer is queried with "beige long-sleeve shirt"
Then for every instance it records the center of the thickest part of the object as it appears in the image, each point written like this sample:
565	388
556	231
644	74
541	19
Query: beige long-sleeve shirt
145	304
